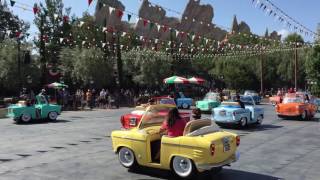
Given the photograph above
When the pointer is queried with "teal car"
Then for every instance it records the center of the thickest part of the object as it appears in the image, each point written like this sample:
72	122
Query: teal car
211	100
24	113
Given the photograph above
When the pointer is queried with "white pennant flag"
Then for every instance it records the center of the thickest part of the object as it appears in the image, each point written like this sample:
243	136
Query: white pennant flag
156	41
177	33
158	27
81	23
124	34
83	42
193	37
61	40
55	16
167	49
103	44
141	37
104	29
8	32
169	43
207	40
111	9
121	46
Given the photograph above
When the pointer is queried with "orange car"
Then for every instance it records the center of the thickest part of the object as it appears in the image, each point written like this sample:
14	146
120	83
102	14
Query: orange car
297	105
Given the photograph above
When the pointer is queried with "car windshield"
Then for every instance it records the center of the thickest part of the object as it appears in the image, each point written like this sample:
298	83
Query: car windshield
211	97
154	116
166	101
250	92
246	100
293	100
230	104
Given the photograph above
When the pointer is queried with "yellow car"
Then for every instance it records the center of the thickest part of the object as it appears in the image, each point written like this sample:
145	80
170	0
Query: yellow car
202	147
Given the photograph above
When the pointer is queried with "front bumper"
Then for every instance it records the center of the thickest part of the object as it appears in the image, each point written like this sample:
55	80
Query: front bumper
205	167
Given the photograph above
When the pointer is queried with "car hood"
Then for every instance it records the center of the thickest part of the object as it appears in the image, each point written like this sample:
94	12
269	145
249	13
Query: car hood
206	101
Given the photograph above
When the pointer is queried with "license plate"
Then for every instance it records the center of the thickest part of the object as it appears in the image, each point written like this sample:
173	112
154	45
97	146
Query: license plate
226	144
133	121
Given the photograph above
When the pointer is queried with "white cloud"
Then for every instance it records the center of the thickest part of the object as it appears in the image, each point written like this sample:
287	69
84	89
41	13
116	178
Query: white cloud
284	33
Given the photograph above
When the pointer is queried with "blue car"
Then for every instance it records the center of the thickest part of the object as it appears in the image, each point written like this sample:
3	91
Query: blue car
230	113
183	102
256	97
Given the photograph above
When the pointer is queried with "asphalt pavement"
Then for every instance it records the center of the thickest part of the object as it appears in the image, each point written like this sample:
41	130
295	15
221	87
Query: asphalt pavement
78	147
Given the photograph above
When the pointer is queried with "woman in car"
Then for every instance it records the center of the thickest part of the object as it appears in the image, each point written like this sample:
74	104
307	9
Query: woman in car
174	125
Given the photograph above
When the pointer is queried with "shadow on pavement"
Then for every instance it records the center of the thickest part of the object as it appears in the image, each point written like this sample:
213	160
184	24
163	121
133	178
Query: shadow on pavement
253	128
226	174
34	122
298	119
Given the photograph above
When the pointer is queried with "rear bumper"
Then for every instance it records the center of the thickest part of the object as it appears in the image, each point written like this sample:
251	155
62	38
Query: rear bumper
204	167
289	114
233	122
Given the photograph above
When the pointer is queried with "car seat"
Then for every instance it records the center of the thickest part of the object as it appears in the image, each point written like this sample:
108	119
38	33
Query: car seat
196	124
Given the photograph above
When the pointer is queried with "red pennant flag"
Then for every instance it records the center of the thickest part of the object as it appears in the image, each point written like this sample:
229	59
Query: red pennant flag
18	34
35	9
119	13
45	38
89	2
165	28
65	19
110	29
145	22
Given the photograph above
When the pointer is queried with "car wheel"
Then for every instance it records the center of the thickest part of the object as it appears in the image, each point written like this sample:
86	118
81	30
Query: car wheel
243	122
52	116
126	158
259	120
185	106
25	118
304	115
183	167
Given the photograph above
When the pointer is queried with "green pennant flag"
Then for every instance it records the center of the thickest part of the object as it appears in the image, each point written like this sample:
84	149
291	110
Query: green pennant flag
12	2
151	25
129	17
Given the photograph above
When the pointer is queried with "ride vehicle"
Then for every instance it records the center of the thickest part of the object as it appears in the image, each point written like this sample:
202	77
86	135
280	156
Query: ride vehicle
211	100
183	102
296	105
231	113
256	97
202	146
133	118
317	102
24	112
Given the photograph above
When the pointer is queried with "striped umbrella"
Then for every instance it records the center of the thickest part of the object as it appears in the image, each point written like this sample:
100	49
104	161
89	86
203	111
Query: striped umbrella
57	85
176	80
196	80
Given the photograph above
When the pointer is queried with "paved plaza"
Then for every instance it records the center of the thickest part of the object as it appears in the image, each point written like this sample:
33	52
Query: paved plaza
78	146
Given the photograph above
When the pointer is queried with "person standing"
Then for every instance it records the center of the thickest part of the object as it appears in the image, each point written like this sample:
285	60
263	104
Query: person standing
89	99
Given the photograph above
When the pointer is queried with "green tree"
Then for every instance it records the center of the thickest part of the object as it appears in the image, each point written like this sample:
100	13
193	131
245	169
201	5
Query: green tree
84	65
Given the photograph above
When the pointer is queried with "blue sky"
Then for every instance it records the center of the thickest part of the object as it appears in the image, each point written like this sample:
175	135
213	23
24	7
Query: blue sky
306	12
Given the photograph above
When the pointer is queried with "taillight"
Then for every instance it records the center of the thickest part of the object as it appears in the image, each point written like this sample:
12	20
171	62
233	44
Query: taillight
122	121
238	140
212	149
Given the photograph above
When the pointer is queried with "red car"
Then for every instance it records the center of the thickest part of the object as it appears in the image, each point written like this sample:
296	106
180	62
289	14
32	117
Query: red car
132	119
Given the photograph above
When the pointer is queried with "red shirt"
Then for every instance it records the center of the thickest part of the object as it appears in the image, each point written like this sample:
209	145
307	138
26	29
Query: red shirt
176	130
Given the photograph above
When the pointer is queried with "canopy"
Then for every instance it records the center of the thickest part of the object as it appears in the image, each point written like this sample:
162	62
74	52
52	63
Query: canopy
196	80
176	80
57	85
